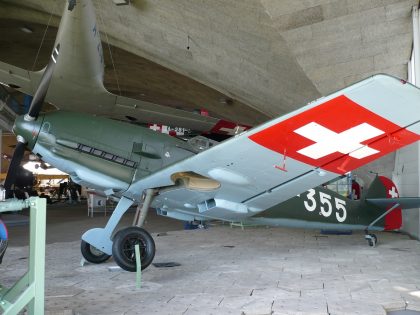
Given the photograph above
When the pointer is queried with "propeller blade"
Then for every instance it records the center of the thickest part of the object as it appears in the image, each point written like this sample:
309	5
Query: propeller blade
42	89
14	165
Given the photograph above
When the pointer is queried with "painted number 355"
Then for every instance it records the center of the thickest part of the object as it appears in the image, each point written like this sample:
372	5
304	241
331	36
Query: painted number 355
326	206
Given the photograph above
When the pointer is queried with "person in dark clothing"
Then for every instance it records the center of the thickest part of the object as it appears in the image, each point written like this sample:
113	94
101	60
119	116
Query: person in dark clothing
355	190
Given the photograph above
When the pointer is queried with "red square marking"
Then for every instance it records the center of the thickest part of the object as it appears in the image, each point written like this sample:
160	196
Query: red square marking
331	135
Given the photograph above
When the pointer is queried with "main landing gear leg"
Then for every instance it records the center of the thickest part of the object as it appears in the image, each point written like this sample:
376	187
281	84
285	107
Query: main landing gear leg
142	212
123	248
96	243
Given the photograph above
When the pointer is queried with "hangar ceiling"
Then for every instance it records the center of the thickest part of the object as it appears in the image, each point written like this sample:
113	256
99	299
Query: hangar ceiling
273	56
242	60
137	77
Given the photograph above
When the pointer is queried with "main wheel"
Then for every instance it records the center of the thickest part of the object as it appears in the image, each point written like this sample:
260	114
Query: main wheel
123	249
92	254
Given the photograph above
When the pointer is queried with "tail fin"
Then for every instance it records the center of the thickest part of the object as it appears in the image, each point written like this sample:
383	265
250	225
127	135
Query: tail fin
382	187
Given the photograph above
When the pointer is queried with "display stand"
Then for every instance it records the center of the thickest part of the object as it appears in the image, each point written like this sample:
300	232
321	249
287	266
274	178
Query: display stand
96	203
29	291
138	266
242	225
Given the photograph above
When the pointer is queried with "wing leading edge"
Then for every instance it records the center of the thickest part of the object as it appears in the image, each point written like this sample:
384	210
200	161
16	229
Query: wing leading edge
286	156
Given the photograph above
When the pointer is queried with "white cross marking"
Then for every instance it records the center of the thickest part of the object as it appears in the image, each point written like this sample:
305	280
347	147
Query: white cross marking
328	141
233	131
393	192
155	127
165	129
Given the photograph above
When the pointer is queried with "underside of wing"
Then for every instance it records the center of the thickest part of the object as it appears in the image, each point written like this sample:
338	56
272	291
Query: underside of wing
153	113
18	78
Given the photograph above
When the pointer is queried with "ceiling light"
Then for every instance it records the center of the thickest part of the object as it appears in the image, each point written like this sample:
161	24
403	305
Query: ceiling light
121	2
226	101
33	167
27	29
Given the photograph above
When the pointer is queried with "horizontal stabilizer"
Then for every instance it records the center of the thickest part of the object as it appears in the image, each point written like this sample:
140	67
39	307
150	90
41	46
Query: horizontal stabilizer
404	202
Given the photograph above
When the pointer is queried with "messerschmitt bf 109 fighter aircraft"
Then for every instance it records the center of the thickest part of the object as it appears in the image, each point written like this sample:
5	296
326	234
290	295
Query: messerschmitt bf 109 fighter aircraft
240	179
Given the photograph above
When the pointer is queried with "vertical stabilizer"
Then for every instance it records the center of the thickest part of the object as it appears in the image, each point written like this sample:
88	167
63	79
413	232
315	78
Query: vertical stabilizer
383	187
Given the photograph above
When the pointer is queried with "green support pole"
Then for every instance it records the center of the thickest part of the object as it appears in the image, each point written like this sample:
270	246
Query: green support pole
29	291
138	266
37	255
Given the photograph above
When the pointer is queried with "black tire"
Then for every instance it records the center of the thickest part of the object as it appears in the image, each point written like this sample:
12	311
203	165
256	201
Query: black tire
92	254
123	248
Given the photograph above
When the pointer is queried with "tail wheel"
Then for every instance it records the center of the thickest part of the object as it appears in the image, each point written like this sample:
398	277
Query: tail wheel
92	254
372	239
123	248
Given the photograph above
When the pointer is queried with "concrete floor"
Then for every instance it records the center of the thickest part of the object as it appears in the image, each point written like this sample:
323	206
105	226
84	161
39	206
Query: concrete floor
226	271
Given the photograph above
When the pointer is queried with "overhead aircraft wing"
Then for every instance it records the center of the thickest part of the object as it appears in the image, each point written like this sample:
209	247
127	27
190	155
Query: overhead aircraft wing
24	80
77	81
72	94
149	112
404	202
303	149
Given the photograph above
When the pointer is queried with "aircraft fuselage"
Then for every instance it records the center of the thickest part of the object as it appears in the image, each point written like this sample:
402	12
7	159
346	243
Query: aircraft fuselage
98	152
116	157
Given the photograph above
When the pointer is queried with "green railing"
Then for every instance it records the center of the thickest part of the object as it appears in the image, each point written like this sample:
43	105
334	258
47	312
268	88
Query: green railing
29	292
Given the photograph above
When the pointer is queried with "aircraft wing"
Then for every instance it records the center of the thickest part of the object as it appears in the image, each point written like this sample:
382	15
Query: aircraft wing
288	155
24	80
159	114
404	202
71	94
77	81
